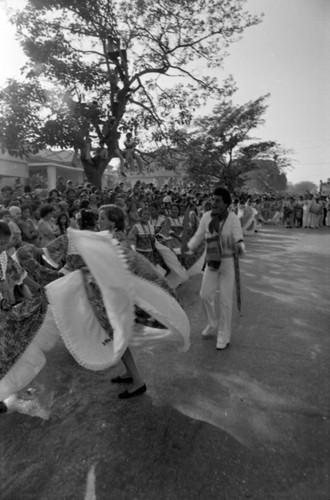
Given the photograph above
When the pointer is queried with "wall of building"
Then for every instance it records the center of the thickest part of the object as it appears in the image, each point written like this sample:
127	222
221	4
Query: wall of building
12	168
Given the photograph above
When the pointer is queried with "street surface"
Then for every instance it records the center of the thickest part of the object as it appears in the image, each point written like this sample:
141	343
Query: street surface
248	422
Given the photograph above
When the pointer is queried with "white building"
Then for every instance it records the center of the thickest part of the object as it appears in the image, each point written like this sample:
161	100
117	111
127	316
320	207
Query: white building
12	168
52	164
47	165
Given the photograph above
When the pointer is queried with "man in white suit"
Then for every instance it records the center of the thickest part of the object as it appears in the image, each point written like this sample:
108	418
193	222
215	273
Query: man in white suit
223	233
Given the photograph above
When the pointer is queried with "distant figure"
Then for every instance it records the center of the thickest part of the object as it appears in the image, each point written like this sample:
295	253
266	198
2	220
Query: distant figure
131	154
111	136
117	55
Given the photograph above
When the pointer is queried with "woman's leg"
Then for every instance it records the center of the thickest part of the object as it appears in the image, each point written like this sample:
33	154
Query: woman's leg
132	371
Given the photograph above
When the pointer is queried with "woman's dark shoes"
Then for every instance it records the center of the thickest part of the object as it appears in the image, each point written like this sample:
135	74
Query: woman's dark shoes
3	407
122	380
137	392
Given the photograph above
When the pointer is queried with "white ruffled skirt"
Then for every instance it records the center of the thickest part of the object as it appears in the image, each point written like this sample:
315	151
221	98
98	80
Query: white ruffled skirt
71	317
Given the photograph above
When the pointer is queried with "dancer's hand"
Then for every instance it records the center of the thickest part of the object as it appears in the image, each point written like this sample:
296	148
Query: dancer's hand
241	247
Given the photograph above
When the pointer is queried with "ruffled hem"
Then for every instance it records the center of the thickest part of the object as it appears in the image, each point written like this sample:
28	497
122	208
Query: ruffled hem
79	328
148	295
32	359
166	309
149	339
172	261
47	258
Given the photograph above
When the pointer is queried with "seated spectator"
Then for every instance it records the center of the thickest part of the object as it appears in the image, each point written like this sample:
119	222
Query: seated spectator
63	206
53	196
47	232
62	223
73	213
70	194
10	216
30	233
94	201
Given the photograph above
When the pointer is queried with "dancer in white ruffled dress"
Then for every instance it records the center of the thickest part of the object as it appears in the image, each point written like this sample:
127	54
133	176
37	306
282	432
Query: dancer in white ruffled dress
91	308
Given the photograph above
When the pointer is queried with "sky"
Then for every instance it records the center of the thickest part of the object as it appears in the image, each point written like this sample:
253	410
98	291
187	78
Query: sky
286	55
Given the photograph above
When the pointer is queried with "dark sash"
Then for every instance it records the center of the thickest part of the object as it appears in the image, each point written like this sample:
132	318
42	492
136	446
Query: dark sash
237	279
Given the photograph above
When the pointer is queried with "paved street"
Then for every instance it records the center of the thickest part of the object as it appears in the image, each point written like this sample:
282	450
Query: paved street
248	422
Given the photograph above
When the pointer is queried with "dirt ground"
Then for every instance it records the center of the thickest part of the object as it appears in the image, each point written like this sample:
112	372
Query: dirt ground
248	422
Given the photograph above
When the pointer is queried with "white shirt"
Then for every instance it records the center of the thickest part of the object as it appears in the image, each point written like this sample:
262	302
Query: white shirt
230	235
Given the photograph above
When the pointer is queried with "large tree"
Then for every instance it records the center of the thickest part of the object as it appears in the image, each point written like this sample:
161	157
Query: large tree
266	176
222	148
97	65
302	188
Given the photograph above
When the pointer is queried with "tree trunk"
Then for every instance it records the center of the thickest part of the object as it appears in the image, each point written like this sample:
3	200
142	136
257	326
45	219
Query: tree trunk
95	172
94	166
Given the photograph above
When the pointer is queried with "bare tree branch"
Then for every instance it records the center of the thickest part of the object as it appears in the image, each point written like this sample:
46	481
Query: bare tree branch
200	82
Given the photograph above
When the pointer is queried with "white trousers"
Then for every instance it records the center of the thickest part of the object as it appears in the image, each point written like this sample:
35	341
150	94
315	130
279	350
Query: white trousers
219	315
314	221
306	219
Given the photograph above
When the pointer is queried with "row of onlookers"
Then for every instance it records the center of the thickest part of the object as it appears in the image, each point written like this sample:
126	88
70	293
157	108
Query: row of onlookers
37	216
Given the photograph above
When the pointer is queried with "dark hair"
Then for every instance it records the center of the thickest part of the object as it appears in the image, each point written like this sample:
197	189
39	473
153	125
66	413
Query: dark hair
112	197
114	214
73	211
87	219
59	217
4	229
53	191
224	193
25	207
84	204
46	210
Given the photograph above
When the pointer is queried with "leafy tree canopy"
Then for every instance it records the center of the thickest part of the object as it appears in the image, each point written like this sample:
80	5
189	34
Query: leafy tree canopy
222	147
266	177
303	188
99	64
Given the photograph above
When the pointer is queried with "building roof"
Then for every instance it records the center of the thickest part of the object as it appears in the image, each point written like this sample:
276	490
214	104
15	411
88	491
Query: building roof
55	157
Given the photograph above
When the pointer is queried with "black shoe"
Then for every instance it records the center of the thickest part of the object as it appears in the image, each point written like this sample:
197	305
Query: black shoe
3	407
128	395
122	380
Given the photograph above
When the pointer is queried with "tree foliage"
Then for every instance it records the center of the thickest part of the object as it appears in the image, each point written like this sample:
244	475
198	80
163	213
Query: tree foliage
303	188
266	177
129	60
221	147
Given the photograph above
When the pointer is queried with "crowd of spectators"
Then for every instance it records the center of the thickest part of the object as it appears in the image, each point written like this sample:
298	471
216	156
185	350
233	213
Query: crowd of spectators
37	215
